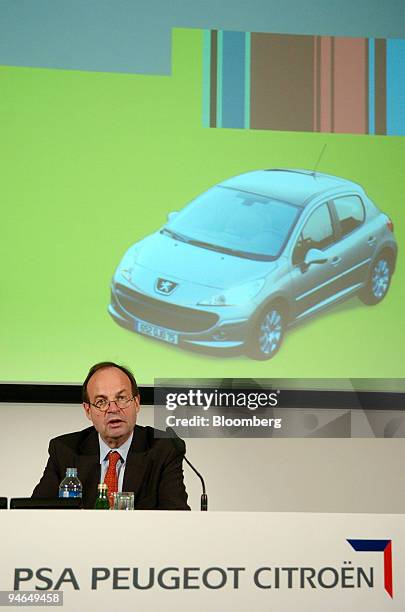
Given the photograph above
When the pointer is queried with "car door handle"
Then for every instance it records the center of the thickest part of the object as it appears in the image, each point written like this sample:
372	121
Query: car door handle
336	261
371	240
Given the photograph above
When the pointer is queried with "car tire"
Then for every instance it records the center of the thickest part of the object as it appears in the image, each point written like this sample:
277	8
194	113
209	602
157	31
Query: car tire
378	281
268	334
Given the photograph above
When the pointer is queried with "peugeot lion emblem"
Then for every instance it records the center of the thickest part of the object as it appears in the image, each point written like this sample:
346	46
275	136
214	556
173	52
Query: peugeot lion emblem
165	286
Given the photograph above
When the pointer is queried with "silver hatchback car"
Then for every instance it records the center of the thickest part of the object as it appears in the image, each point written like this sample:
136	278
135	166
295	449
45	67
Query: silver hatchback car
252	256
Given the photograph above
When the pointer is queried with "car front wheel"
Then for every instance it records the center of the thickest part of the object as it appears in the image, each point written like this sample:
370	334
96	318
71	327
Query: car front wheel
267	334
378	282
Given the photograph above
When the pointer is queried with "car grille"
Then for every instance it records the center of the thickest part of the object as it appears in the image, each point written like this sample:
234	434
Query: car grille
168	315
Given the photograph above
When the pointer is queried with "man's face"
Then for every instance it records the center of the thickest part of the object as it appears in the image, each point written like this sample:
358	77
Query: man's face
115	425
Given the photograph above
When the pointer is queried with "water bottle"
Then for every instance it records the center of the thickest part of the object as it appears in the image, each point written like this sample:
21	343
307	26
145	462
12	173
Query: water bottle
70	485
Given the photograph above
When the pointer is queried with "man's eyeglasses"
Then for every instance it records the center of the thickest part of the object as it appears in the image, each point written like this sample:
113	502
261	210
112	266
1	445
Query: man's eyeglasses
122	401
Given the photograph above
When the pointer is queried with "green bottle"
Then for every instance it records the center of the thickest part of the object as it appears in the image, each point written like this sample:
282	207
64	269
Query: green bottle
102	502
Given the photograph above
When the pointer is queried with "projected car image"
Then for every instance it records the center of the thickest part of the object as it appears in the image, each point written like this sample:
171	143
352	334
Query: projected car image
252	256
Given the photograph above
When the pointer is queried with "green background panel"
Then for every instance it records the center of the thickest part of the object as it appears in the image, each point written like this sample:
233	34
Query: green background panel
93	162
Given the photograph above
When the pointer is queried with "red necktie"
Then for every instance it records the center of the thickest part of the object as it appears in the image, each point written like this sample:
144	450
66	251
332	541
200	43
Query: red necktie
111	477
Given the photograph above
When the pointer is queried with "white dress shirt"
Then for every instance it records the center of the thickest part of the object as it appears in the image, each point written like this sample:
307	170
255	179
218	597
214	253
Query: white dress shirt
121	463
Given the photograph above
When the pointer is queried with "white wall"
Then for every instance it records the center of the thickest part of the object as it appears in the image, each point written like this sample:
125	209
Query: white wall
319	475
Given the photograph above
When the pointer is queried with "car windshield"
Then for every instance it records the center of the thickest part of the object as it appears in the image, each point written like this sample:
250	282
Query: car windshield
236	222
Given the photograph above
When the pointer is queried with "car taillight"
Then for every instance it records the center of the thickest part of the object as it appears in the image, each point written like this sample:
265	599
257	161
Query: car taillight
390	225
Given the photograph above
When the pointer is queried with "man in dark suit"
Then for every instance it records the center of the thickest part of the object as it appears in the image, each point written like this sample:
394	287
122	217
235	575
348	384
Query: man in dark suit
116	450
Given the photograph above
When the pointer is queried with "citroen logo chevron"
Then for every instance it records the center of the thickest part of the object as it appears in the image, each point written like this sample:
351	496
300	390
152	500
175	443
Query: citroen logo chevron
384	546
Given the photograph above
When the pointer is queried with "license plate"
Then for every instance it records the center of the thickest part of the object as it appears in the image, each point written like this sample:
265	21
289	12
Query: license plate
147	329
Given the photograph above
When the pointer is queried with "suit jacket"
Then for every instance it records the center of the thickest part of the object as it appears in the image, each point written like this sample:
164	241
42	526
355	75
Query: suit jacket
153	469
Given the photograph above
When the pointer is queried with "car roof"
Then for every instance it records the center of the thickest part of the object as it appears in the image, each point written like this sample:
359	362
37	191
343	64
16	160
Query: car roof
291	185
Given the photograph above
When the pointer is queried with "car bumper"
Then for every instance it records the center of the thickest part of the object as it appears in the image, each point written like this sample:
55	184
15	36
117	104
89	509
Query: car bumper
211	328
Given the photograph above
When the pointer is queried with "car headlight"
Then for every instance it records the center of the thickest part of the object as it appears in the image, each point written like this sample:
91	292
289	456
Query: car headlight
127	263
126	273
236	295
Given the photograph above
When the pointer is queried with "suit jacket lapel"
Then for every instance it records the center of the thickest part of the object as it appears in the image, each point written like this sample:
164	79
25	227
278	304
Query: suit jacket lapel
134	472
137	460
88	464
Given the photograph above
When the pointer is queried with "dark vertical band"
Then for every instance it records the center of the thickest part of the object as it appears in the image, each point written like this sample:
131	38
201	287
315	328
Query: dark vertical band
282	72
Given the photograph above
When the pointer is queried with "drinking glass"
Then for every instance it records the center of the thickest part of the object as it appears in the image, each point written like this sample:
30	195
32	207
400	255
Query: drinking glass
123	500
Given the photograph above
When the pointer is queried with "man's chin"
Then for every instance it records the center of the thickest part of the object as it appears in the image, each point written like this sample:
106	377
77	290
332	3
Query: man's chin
116	431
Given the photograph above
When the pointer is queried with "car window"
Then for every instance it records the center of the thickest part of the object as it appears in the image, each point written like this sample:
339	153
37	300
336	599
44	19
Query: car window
350	212
317	233
246	224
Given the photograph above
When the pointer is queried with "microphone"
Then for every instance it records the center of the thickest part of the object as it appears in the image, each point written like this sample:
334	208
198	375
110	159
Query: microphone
180	445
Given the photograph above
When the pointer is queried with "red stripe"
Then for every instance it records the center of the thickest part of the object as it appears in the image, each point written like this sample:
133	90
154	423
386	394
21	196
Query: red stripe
325	78
388	569
349	85
315	91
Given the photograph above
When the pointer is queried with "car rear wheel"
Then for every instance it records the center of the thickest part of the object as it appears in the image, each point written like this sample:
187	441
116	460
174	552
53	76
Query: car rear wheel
267	334
378	282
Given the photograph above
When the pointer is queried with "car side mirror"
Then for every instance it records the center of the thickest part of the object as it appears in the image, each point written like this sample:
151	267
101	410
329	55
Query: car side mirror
172	215
314	256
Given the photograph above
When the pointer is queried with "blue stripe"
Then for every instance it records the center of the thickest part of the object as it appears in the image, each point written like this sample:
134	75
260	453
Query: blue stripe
220	37
396	87
369	545
206	77
247	79
233	79
371	86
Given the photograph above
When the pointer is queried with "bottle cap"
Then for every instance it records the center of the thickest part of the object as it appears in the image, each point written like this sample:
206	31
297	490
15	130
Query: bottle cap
71	471
102	487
